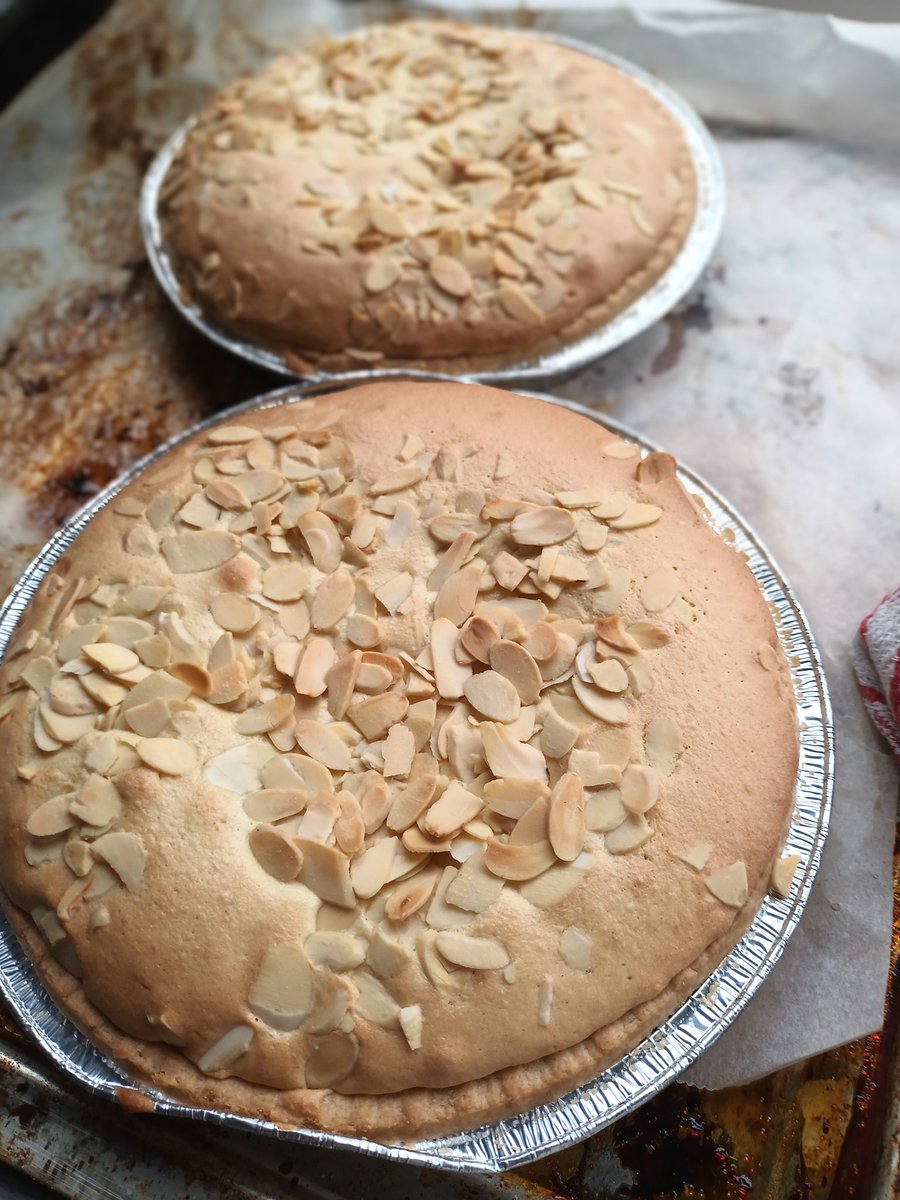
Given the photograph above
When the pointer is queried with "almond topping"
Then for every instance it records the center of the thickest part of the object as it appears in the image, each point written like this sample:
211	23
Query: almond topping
124	852
656	467
96	802
397	481
399	750
234	612
199	551
449	675
576	949
557	736
592	771
341	680
508	758
375	715
648	636
51	818
566	819
518	862
475	953
664	745
332	1060
519	305
382	274
513	661
636	516
326	872
450	812
325	544
282	993
450	275
477	637
113	659
609	675
363	631
371	870
265	716
324	745
411	896
640	788
277	856
410	1019
285	582
394	592
274	804
696	856
493	696
543	526
169	756
659	589
631	834
226	1051
729	884
783	872
458	594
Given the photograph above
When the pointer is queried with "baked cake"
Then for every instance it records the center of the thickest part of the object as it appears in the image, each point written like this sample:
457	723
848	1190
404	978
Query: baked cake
391	762
426	193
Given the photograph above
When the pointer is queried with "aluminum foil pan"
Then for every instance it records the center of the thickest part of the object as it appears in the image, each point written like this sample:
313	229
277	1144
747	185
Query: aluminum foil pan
650	307
657	1060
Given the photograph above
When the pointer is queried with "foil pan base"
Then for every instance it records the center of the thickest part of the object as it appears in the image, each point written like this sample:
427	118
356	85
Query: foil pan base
659	1058
659	299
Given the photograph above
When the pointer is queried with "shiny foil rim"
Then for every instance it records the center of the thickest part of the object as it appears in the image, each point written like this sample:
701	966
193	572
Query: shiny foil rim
646	310
659	1058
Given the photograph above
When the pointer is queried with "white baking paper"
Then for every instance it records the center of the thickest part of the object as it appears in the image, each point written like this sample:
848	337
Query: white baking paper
777	379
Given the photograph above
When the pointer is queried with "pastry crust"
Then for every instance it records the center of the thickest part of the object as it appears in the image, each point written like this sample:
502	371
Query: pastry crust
428	193
695	758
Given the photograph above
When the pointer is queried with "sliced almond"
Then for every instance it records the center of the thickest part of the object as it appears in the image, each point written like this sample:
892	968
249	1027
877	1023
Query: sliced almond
659	589
513	797
513	661
234	612
611	709
474	953
397	481
451	811
544	526
729	884
456	599
636	516
604	811
477	637
96	802
326	872
696	856
410	896
656	468
409	805
631	834
508	571
169	756
518	862
519	305
558	736
591	769
314	666
51	818
224	1053
608	675
411	1023
394	591
371	870
664	744
340	680
375	715
783	871
274	804
111	658
382	274
493	696
639	788
450	275
125	853
323	745
276	854
449	674
200	550
265	716
566	826
332	1060
509	758
398	751
285	582
282	993
325	544
363	631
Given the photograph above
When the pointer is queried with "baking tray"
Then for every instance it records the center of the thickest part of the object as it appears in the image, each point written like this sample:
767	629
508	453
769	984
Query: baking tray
650	307
660	1057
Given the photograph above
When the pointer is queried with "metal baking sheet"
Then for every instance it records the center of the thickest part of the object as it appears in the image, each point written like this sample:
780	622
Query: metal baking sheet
657	1060
650	307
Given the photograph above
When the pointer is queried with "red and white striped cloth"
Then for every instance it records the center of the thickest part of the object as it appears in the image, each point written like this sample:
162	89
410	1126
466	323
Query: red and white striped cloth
876	660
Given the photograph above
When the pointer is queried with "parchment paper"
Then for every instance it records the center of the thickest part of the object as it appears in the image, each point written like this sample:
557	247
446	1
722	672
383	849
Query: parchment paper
777	379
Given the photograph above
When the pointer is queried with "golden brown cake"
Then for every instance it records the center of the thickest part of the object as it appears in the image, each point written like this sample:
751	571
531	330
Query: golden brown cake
426	193
392	762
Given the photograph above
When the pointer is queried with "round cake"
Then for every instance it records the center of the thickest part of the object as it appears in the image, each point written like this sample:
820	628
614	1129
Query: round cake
390	762
427	192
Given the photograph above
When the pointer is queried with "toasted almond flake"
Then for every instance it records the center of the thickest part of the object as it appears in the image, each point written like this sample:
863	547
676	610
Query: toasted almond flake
518	862
394	592
608	675
416	842
447	527
558	736
783	871
234	613
397	481
613	506
477	637
382	274
232	435
142	542
450	275
335	950
39	673
648	636
226	494
636	516
67	697
729	884
197	678
224	1053
96	802
282	994
410	1019
591	535
125	853
518	304
508	758
493	696
375	715
291	771
474	953
363	631
399	750
586	498
129	506
664	744
474	889
545	1001
167	755
332	1060
332	600
63	730
77	857
656	468
659	589
450	812
111	658
591	769
277	856
508	571
325	544
265	716
449	674
51	818
326	872
458	594
631	834
373	677
696	856
274	804
639	217
410	896
683	612
513	797
452	560
565	825
589	192
639	788
323	744
611	709
563	240
604	811
513	661
768	658
412	445
543	526
228	683
199	550
371	870
285	582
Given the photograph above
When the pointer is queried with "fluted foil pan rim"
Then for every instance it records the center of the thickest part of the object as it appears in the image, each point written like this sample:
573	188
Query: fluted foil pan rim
659	1058
650	307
